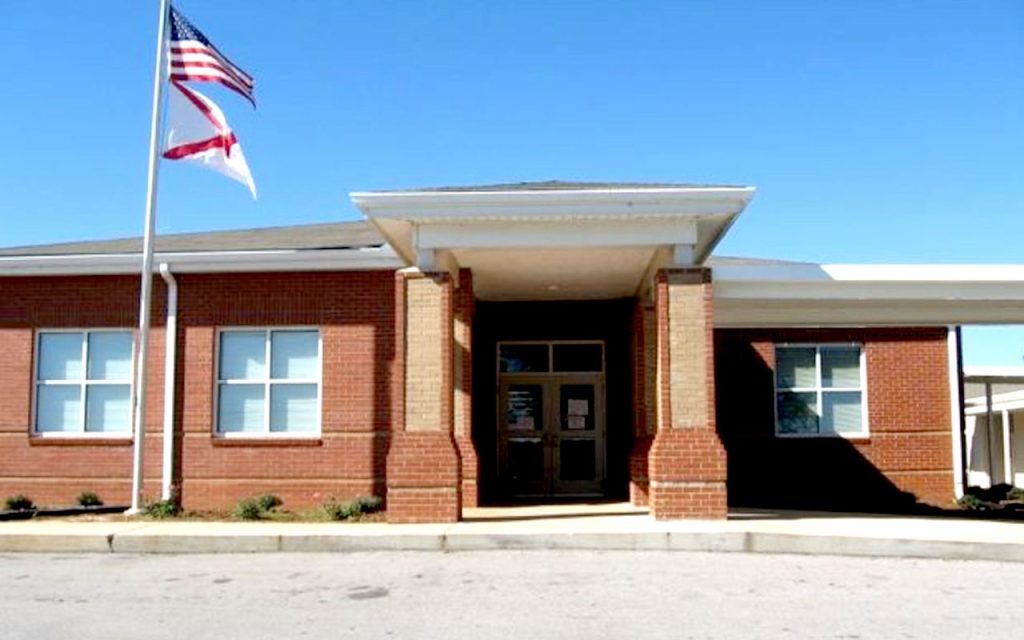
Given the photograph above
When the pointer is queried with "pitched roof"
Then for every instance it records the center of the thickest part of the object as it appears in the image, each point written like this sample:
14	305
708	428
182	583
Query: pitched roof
335	235
309	237
561	185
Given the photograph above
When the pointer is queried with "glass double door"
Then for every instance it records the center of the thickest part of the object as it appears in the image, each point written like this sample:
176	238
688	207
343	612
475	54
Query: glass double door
551	434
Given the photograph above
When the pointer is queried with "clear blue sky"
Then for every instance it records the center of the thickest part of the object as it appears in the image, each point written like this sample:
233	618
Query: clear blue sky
875	131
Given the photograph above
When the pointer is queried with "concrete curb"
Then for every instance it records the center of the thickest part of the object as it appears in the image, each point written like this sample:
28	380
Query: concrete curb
136	542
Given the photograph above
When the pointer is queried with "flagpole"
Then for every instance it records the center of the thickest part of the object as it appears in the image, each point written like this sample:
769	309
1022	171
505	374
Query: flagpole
147	264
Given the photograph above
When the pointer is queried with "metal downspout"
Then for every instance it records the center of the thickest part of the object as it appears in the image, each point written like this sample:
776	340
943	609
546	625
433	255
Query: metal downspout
170	355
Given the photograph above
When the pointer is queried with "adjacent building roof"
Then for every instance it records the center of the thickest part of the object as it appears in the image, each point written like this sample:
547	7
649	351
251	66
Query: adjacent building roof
309	237
337	235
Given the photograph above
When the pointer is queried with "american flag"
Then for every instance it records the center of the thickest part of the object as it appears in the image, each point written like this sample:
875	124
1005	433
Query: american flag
193	57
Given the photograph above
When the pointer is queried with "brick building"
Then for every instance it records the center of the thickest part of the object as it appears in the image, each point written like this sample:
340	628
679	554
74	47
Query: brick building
538	341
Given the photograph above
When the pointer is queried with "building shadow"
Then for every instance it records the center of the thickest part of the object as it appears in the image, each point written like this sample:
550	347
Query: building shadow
799	475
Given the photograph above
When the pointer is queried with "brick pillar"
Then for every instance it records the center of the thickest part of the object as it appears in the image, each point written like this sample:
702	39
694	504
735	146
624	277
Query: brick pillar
687	459
423	471
644	410
465	305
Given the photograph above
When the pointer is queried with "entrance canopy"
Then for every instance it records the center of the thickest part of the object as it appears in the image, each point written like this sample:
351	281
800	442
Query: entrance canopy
556	240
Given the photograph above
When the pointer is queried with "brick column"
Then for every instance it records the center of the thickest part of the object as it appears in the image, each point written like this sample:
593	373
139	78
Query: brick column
644	409
423	471
687	459
465	306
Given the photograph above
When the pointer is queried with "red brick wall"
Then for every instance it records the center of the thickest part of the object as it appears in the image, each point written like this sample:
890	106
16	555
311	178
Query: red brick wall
355	314
55	470
905	458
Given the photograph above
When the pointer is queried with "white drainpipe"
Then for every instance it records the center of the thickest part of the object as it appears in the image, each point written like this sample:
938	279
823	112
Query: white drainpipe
170	351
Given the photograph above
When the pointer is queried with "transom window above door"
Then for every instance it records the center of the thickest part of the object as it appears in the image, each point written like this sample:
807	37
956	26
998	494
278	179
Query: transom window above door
551	357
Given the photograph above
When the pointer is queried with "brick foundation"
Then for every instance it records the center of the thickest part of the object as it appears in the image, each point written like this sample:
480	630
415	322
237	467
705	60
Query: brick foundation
639	475
688	472
423	478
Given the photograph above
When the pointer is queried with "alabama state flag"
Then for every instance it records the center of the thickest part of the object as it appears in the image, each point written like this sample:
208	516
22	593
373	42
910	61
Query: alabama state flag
197	131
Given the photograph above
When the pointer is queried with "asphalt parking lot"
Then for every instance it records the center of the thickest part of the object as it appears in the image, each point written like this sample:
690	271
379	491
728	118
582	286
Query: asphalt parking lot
505	594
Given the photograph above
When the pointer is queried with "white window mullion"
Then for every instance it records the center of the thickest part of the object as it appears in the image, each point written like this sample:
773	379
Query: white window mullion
268	373
83	383
818	383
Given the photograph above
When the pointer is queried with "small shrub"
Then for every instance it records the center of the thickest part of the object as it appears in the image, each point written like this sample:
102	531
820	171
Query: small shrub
268	501
257	507
972	503
339	510
1015	494
89	499
19	502
370	504
248	509
351	510
162	508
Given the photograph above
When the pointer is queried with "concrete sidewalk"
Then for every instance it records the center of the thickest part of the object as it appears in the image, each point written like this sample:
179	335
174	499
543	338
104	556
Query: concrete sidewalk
615	526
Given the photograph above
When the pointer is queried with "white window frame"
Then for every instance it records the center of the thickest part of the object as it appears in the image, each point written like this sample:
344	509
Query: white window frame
818	389
268	383
83	383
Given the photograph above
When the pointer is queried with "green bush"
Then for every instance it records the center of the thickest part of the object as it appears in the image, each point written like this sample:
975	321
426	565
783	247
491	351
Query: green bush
268	501
19	502
1015	494
352	510
162	509
248	509
89	499
972	503
370	504
256	507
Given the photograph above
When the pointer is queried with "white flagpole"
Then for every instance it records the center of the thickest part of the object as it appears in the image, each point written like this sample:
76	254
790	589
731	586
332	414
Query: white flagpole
147	262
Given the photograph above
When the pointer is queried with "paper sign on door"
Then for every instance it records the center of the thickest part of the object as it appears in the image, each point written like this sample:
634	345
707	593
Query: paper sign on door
579	408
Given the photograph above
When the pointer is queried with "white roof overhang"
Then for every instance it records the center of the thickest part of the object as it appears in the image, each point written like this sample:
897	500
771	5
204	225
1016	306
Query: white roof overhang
555	244
204	262
767	295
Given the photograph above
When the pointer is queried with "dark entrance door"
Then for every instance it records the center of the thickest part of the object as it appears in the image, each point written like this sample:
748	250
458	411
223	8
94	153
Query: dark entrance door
551	419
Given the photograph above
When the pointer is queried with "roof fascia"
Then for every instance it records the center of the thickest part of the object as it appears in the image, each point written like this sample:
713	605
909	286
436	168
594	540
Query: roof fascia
428	205
205	262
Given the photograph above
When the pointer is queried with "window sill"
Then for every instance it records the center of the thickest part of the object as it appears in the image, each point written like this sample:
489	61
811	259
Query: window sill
220	441
79	441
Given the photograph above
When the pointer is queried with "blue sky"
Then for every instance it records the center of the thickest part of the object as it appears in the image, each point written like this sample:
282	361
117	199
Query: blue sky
875	131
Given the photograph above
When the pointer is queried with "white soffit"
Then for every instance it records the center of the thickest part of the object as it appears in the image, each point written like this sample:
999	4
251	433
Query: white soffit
568	243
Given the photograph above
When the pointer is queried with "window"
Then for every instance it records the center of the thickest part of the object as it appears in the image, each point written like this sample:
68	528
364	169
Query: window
268	383
548	357
83	382
819	390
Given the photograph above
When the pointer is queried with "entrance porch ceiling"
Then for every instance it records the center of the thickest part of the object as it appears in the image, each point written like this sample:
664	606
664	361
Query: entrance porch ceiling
589	273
